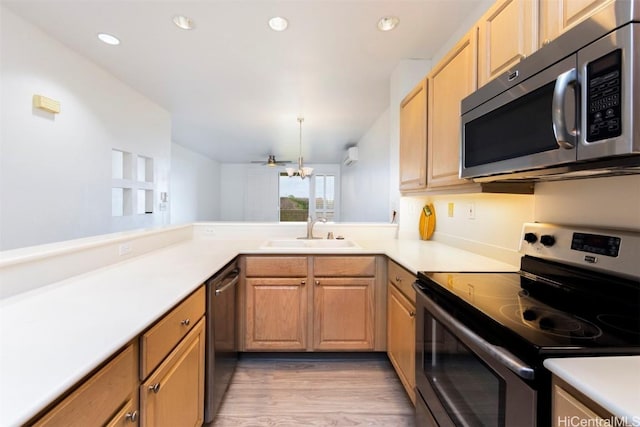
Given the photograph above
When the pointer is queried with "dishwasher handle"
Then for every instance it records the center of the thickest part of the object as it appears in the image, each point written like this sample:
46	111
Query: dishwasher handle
235	273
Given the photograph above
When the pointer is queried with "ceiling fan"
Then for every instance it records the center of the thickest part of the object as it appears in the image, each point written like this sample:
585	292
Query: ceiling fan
271	161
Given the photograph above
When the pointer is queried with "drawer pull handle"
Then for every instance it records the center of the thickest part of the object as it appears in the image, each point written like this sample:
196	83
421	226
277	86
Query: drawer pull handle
412	314
155	388
317	282
303	282
131	416
398	279
185	322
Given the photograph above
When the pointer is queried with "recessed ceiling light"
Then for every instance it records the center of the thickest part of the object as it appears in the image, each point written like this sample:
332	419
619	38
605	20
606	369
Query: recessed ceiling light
388	23
183	22
278	23
109	39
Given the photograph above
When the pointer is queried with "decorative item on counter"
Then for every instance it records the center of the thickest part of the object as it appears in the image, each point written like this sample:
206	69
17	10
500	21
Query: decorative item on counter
393	216
427	221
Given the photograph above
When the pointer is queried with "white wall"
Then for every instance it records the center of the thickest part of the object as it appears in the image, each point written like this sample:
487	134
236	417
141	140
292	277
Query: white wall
365	184
194	193
607	202
55	170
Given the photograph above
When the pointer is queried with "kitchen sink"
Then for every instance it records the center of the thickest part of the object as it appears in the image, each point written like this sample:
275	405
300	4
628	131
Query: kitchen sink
309	243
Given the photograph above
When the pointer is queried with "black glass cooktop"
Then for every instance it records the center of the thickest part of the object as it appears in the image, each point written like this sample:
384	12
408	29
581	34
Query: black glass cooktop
534	317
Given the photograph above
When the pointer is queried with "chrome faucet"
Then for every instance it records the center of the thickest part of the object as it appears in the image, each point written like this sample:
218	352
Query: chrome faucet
310	223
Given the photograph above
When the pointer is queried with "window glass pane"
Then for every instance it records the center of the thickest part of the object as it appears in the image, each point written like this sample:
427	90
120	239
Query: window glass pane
325	196
294	198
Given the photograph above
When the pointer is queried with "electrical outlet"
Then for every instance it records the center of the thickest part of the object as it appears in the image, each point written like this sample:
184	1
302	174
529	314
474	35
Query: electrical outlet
471	211
125	248
450	210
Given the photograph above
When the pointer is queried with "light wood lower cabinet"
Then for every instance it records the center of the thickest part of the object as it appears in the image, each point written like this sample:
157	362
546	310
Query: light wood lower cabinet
401	326
170	355
174	394
330	304
108	397
570	407
343	313
276	314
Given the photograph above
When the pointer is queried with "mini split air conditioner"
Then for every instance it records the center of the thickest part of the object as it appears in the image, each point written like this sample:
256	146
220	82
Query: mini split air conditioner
351	157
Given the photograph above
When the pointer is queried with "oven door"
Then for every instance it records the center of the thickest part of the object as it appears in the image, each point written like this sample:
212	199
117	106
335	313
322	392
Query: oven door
464	380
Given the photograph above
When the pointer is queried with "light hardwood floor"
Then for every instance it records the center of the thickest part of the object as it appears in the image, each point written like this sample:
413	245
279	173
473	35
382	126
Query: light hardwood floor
322	390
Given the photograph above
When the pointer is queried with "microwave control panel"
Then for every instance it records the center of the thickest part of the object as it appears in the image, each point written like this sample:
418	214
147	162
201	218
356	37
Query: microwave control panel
604	90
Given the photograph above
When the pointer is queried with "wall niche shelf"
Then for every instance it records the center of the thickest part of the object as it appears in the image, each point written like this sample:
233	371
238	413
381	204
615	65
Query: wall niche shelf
132	186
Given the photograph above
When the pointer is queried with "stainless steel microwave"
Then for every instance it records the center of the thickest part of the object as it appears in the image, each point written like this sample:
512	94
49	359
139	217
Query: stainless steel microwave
570	110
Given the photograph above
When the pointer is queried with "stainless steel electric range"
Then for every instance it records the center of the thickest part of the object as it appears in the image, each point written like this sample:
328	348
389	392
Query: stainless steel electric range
481	338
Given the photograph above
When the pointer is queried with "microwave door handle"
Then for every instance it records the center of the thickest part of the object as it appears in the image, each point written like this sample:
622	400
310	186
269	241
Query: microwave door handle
565	138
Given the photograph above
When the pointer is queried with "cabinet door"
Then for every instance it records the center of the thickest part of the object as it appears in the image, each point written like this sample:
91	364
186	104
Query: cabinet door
276	314
343	313
413	139
101	396
174	394
451	80
506	34
401	346
557	16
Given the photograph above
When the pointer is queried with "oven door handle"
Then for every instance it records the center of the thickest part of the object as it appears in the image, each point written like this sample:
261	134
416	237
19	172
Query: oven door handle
500	354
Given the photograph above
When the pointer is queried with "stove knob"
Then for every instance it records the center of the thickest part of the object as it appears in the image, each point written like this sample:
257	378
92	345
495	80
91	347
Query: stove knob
530	238
547	240
529	314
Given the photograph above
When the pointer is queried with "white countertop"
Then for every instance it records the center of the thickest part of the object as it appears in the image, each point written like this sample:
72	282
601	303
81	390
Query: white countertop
611	382
53	336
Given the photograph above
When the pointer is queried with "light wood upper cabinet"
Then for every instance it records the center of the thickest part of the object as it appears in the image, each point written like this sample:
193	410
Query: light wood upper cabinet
174	394
413	139
557	16
451	80
507	32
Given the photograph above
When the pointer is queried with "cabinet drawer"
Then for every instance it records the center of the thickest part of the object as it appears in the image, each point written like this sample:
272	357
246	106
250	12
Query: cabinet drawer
345	266
402	279
279	266
158	341
101	396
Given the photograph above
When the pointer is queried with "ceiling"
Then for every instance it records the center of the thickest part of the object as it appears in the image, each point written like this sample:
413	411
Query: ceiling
234	87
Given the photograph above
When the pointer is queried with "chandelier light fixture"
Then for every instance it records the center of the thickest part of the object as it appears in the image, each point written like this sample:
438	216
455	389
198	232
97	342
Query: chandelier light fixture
302	171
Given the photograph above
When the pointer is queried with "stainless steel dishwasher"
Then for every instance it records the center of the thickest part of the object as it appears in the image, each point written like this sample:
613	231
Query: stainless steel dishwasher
221	353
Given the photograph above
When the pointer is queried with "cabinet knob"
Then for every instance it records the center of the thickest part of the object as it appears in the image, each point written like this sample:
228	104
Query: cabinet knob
131	416
398	279
317	282
185	322
412	314
154	387
303	282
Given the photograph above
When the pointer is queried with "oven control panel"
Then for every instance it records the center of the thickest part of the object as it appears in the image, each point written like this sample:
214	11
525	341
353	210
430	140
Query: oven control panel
608	250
